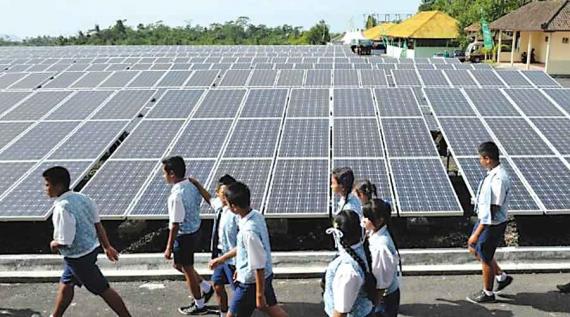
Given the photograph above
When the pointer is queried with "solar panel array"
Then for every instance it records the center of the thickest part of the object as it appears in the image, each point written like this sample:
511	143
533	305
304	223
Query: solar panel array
277	117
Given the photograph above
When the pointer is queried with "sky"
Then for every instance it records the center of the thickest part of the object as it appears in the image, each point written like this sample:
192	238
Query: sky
26	18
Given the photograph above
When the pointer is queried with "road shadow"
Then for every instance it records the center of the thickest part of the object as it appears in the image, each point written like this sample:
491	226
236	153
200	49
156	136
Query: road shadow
9	312
551	302
294	309
450	308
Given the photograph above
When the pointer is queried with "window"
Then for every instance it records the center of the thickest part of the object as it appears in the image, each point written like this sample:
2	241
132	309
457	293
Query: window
564	40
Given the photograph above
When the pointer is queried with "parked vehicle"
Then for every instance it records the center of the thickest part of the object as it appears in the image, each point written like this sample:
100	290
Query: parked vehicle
473	52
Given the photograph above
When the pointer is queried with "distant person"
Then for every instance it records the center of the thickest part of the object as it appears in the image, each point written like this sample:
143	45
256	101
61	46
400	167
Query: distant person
365	191
491	206
385	256
254	269
184	224
77	235
223	242
342	183
350	287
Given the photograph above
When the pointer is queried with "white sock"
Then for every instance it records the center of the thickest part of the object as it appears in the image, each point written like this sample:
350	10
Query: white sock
199	302
205	286
223	314
502	277
488	293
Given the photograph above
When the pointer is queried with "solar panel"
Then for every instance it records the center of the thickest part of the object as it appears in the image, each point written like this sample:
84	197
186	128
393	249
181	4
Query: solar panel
80	105
397	102
509	132
487	78
220	104
353	103
10	130
407	137
90	140
540	79
448	102
202	78
116	184
305	138
463	66
432	124
126	104
422	187
36	106
433	78
10	172
265	103
464	135
176	104
27	201
549	177
406	77
420	97
309	103
147	79
202	139
491	103
149	140
460	78
263	78
357	138
346	78
557	131
38	141
254	138
443	66
290	78
154	198
514	79
63	80
533	103
561	97
7	80
10	99
318	77
78	67
373	170
373	77
33	80
119	79
235	78
520	200
425	66
91	80
299	188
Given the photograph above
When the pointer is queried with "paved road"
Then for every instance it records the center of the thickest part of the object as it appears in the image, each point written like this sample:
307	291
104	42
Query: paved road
530	295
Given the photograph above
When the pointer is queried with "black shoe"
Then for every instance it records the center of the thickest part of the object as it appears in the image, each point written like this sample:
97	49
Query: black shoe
193	310
564	288
208	295
502	285
481	298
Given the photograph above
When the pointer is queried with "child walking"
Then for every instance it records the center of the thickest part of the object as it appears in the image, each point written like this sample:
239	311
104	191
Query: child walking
77	235
365	191
342	182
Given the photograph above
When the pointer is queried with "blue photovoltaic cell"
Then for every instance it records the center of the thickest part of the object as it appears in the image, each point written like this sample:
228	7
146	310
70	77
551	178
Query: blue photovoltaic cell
533	103
265	103
115	185
154	198
406	77
423	188
309	103
432	124
202	139
7	80
176	104
491	103
318	77
174	79
305	138
80	105
36	106
550	180
149	140
10	130
202	78
433	77
91	80
514	79
357	138
448	102
540	79
146	79
345	78
407	137
460	78
10	99
397	102
561	97
353	103
28	201
220	104
254	138
299	187
520	200
557	131
263	78
487	77
118	79
64	80
32	80
509	132
373	77
290	78
235	78
464	135
126	104
10	172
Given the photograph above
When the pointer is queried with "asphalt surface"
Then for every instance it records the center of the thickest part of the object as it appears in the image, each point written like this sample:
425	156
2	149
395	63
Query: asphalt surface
529	295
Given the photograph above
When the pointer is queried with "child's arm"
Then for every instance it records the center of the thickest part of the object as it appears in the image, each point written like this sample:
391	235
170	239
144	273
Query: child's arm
260	289
111	253
222	259
171	237
201	189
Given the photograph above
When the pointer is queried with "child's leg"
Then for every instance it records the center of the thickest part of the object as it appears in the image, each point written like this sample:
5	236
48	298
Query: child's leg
496	267
222	297
488	276
114	300
192	281
64	297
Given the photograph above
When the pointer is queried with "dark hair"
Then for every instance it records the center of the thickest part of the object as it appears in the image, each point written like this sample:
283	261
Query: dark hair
490	150
226	180
348	222
58	175
367	188
176	165
377	209
345	177
238	194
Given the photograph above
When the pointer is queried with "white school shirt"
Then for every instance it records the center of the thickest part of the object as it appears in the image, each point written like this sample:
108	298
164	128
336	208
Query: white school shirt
176	210
216	204
499	185
64	223
384	263
345	282
255	250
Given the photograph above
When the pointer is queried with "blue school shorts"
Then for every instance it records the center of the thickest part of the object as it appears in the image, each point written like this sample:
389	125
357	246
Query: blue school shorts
489	241
184	248
224	274
243	301
84	271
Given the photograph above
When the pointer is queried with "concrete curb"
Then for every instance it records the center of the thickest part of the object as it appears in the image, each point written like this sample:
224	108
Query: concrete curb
306	264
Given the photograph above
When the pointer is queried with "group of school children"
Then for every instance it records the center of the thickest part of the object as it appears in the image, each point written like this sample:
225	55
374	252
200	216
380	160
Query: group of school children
362	280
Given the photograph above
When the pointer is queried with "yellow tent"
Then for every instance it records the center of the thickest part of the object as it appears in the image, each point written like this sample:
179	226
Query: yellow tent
426	25
378	31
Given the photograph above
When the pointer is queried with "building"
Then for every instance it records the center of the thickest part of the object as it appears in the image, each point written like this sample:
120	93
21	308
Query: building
378	32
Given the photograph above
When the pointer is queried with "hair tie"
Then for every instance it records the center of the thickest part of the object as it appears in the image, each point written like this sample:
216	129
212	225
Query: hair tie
337	235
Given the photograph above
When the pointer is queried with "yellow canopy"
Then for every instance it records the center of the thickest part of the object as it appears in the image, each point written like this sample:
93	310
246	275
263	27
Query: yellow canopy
378	31
426	25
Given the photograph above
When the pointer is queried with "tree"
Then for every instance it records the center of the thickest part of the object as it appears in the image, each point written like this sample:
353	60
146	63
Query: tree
370	22
319	34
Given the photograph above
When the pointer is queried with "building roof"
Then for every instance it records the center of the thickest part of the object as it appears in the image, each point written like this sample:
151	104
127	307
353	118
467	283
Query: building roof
426	25
550	15
378	31
475	27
